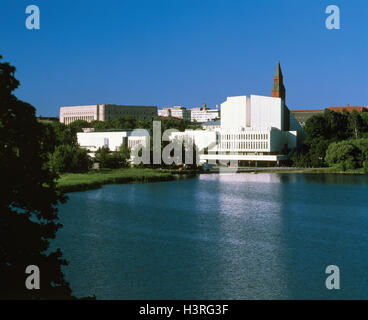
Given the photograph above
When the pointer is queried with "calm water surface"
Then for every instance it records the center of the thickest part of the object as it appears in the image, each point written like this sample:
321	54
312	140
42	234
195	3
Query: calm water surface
241	236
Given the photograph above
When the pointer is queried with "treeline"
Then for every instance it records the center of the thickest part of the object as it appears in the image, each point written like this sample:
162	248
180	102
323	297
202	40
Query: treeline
335	139
126	124
65	155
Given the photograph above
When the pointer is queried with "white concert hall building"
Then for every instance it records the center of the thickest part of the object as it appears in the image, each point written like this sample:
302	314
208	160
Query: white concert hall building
253	128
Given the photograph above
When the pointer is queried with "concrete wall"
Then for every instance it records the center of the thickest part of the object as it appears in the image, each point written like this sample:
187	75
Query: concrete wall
266	112
234	112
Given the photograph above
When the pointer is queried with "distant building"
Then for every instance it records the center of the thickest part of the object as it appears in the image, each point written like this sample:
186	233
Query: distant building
303	115
104	112
164	113
348	109
203	114
178	112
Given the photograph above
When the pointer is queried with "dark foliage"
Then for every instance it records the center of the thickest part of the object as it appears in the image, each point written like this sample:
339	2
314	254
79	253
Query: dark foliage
28	213
325	132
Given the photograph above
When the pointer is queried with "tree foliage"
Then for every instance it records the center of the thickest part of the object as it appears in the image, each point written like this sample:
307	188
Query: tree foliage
348	154
28	202
70	158
112	160
325	132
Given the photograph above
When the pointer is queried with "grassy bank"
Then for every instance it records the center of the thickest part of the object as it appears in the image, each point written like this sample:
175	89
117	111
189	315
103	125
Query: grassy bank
70	182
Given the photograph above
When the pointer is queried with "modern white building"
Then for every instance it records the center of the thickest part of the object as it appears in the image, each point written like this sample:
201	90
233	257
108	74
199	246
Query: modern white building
93	140
253	128
104	112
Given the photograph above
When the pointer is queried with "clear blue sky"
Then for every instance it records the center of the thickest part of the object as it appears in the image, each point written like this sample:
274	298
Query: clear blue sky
185	52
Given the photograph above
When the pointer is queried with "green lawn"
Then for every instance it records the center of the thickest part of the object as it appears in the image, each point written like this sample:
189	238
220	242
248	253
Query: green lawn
94	179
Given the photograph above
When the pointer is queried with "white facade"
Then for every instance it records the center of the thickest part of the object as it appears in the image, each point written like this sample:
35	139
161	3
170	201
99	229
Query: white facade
92	141
266	112
201	138
235	113
164	113
203	114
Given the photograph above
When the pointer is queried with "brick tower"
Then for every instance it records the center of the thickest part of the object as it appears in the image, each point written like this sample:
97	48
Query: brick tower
278	90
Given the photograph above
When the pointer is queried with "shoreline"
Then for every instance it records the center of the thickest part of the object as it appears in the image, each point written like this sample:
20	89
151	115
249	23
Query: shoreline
77	182
359	171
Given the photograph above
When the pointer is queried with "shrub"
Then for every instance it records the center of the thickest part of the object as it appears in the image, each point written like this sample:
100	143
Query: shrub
67	158
344	154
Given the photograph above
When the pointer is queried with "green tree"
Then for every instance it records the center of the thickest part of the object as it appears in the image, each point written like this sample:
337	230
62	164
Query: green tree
343	155
102	157
336	125
69	158
355	123
124	155
28	202
316	127
62	134
362	157
112	160
78	125
365	121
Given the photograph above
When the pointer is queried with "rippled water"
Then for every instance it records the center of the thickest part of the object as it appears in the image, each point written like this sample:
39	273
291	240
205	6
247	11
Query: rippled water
240	236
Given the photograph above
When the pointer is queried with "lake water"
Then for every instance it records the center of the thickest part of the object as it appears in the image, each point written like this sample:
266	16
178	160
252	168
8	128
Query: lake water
240	236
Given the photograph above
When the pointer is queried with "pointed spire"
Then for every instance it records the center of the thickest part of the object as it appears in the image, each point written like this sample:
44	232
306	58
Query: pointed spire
278	89
278	72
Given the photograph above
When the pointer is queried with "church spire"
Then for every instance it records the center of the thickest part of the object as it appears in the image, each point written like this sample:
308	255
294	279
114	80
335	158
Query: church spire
278	72
278	89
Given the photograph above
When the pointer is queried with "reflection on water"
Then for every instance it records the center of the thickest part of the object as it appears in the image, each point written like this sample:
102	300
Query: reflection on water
239	236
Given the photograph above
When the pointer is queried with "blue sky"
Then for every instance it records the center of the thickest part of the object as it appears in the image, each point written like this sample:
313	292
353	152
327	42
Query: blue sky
185	52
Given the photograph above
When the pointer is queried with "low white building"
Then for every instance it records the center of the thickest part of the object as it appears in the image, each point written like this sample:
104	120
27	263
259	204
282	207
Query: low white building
93	140
204	114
